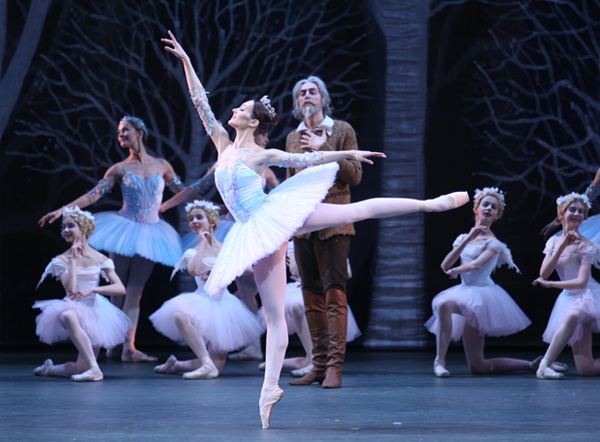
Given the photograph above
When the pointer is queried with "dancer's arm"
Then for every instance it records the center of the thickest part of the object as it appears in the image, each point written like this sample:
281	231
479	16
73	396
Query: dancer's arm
477	263
214	129
454	254
551	259
102	188
578	283
115	288
275	157
69	278
196	190
203	249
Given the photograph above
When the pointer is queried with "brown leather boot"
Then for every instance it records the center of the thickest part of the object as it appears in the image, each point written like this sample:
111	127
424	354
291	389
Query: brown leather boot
337	319
316	317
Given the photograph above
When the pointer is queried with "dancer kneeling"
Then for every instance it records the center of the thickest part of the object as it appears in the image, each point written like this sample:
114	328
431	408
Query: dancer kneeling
576	312
84	316
211	325
477	307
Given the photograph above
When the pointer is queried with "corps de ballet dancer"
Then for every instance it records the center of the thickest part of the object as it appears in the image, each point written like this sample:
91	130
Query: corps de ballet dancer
83	315
212	326
135	236
265	222
576	312
478	307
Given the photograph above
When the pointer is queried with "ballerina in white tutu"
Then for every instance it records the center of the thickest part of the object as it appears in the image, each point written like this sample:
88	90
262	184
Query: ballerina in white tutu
265	222
135	236
576	312
478	307
84	315
211	326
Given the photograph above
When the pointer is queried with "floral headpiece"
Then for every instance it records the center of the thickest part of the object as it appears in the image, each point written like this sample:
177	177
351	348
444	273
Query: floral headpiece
197	204
137	121
68	211
267	104
572	197
489	191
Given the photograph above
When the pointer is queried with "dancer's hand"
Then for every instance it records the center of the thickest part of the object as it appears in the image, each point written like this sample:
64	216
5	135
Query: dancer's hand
50	217
176	48
311	141
204	235
77	250
543	282
363	155
452	273
204	275
475	232
570	238
80	294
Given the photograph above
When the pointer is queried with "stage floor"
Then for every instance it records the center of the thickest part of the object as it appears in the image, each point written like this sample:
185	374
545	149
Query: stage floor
386	396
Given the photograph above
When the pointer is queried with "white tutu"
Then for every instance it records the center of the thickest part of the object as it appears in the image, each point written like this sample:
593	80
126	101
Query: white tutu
223	320
488	308
263	221
105	324
294	299
482	303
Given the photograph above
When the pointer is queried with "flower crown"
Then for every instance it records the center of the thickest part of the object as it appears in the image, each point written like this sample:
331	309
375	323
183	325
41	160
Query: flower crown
68	211
572	197
197	204
489	191
267	104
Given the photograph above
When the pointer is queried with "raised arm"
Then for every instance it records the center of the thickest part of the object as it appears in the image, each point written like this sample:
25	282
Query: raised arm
276	157
102	188
454	254
214	129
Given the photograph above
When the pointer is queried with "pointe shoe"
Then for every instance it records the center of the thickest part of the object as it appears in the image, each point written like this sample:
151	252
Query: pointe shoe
556	366
302	371
45	369
92	375
545	372
137	356
447	202
439	370
207	371
168	367
267	407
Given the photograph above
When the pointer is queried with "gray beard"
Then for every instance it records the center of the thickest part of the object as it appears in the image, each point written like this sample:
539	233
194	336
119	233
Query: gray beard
309	111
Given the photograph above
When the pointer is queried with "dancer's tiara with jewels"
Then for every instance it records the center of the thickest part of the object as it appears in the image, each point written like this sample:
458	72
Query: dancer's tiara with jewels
267	104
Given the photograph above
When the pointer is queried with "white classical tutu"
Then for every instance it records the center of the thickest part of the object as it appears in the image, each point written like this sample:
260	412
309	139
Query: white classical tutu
294	299
488	308
263	221
587	301
158	242
105	324
223	320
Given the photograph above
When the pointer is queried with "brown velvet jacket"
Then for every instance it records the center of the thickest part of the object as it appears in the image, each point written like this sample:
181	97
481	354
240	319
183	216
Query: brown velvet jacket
342	138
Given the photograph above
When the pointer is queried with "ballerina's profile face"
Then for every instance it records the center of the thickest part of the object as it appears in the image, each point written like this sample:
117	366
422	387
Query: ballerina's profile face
573	216
242	116
127	135
70	230
488	210
198	221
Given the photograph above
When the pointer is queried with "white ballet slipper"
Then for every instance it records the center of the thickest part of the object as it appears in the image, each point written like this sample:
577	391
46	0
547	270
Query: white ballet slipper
168	367
302	371
559	367
446	202
207	371
545	372
45	369
439	370
92	375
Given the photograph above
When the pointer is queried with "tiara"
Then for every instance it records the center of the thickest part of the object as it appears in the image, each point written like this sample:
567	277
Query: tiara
68	211
267	104
488	191
573	196
197	204
137	121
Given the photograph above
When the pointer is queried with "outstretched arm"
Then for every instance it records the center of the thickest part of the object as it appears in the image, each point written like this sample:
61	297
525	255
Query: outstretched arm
102	188
275	157
214	129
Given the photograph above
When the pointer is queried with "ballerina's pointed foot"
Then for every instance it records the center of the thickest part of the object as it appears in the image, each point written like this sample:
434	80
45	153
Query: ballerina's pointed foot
439	370
169	367
92	375
559	367
447	202
45	369
137	356
266	405
545	372
206	371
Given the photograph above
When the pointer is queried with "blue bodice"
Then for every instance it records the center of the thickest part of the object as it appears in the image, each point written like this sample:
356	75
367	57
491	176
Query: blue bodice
141	197
241	189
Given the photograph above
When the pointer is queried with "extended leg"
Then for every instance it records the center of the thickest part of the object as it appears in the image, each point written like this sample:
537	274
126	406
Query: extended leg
444	312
